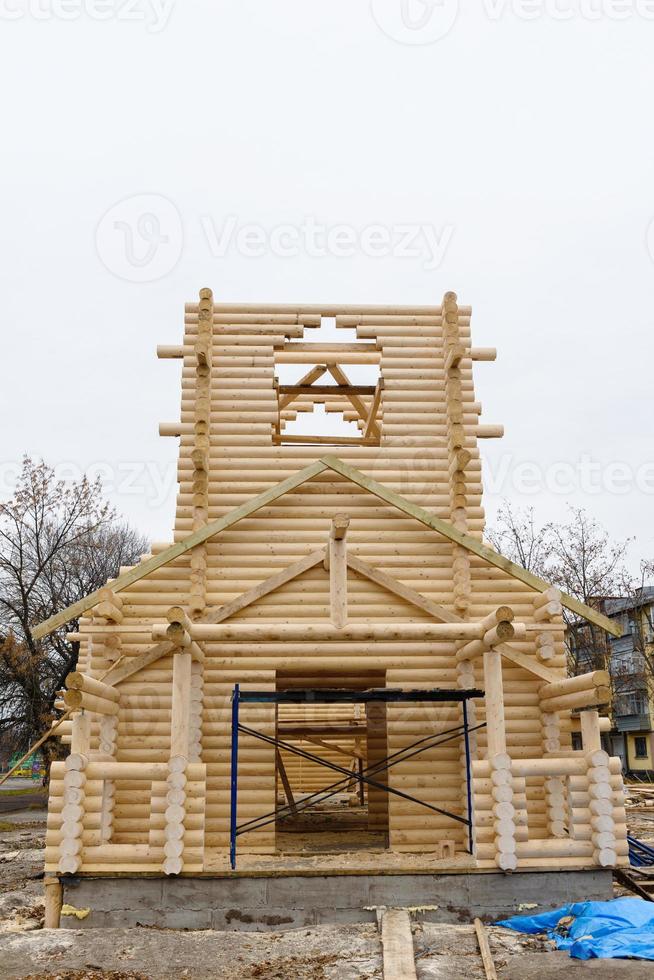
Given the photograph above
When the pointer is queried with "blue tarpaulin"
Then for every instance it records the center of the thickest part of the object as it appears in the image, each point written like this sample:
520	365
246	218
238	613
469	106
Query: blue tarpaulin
623	927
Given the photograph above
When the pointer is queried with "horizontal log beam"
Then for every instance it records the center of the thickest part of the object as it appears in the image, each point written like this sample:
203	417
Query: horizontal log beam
326	390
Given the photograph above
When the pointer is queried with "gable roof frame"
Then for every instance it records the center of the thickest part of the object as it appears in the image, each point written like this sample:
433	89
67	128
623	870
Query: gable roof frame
366	483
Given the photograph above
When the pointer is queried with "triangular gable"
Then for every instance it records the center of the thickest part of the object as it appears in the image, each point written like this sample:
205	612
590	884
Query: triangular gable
418	513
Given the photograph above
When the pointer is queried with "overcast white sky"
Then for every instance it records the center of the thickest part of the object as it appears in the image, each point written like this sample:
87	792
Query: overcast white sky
151	148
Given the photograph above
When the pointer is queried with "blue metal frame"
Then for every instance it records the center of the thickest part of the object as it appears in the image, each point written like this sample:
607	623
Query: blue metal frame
236	697
466	740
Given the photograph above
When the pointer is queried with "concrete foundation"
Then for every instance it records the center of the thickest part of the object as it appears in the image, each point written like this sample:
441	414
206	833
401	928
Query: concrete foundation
265	902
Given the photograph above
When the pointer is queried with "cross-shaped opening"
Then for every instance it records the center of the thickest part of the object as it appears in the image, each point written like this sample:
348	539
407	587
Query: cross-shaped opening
328	392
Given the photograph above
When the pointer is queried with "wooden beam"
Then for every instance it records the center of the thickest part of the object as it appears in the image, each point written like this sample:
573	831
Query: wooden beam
339	375
37	745
319	348
494	698
445	615
371	423
264	588
484	949
338	570
180	715
354	754
528	663
403	591
130	667
54	897
181	547
305	389
309	440
288	792
466	541
286	397
321	729
291	483
397	945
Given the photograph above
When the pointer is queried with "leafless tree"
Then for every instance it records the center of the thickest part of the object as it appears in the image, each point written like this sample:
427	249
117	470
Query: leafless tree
58	542
517	536
579	558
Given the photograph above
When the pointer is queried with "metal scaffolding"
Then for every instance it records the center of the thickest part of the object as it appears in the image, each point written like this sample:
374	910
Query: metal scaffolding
364	776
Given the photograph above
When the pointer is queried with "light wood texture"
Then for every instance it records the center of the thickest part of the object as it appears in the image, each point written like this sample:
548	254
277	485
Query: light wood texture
484	950
262	584
397	945
53	902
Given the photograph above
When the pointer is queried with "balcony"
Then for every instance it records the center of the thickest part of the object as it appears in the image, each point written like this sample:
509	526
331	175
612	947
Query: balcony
641	722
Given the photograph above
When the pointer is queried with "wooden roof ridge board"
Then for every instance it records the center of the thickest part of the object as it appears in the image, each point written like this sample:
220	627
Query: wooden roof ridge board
367	483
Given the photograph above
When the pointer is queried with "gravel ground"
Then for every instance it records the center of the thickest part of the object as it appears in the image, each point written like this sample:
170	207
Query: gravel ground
443	952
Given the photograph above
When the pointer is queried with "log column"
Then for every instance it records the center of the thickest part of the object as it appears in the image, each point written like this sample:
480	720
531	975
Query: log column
200	451
501	777
107	745
337	553
599	788
72	814
459	457
547	605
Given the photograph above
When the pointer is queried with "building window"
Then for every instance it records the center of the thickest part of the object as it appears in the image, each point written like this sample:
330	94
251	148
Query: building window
328	393
631	703
640	742
576	741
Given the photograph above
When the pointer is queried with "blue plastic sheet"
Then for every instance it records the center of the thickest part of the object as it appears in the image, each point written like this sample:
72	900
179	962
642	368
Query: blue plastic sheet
621	928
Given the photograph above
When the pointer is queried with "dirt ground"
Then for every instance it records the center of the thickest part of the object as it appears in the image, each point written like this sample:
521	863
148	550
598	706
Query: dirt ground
29	952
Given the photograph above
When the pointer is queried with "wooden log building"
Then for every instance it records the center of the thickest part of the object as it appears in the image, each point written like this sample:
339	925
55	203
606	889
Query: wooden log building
308	563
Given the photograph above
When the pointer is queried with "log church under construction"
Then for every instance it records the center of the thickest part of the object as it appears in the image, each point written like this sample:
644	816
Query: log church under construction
328	668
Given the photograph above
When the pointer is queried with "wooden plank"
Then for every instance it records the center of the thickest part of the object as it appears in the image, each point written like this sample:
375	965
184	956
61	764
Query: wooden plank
305	389
397	945
181	547
319	348
466	541
484	949
309	440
